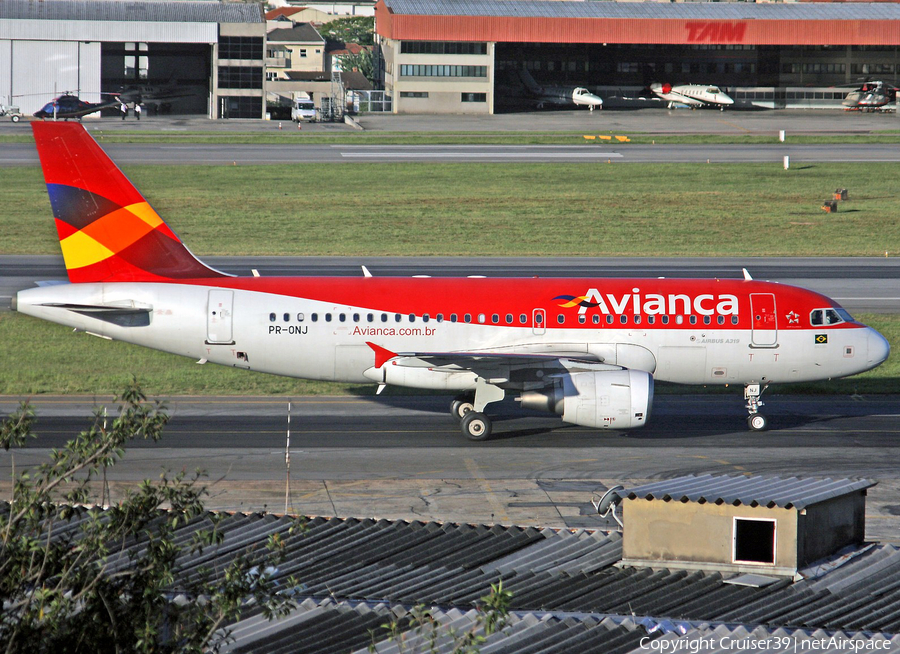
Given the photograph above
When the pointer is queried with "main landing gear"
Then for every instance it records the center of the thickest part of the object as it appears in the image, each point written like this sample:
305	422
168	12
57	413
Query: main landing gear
752	392
468	409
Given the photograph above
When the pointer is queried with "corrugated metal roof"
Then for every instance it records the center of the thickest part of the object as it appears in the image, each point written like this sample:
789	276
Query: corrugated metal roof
786	493
651	10
132	10
567	594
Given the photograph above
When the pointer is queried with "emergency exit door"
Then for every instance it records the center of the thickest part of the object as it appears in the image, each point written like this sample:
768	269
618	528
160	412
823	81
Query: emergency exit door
764	332
219	317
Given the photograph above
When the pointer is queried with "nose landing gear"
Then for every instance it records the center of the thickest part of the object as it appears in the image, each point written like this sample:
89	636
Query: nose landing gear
752	392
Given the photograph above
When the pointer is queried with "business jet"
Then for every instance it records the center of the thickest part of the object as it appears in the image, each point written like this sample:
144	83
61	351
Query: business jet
586	349
562	96
692	95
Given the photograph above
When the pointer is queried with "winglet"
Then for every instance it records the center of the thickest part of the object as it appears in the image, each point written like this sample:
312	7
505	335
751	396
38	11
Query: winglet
382	355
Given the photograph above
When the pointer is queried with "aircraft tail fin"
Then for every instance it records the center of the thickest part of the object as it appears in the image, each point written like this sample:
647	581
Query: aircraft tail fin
107	230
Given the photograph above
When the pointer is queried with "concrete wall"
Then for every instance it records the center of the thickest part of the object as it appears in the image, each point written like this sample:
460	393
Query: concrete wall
658	532
828	526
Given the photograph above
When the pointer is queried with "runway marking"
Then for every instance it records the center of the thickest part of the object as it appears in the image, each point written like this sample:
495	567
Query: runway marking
482	155
498	509
735	126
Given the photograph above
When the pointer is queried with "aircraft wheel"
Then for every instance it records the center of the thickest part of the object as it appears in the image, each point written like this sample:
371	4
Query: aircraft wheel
460	406
476	426
15	119
757	422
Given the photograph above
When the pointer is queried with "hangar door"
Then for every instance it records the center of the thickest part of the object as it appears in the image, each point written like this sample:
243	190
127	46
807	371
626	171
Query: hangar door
36	72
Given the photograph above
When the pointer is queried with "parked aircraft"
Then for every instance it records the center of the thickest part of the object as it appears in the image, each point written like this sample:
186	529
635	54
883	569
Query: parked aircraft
154	94
692	95
871	96
70	106
586	349
562	96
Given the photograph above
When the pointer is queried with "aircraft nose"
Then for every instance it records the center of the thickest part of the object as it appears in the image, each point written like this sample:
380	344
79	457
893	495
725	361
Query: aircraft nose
878	348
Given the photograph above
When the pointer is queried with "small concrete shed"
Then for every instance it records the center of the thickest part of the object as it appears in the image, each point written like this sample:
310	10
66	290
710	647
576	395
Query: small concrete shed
760	524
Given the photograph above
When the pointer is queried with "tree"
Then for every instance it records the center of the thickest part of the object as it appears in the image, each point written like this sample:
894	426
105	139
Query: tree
361	61
353	29
89	579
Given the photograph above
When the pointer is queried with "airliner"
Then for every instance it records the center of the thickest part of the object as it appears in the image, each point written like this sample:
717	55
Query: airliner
693	95
588	350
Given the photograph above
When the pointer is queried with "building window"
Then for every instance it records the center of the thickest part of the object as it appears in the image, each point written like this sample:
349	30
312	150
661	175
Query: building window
136	60
240	47
754	540
439	70
473	97
413	94
240	107
443	47
240	77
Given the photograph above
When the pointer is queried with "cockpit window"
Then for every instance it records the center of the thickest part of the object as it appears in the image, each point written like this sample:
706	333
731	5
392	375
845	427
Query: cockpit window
831	316
713	89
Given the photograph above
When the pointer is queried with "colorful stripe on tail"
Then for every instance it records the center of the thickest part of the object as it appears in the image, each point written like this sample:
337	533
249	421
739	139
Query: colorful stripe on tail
107	230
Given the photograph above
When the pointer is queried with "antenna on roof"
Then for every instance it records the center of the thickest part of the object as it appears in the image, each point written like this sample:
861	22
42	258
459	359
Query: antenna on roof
608	503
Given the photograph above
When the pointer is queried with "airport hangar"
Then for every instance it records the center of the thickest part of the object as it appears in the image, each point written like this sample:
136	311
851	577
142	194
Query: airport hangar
455	56
89	47
460	56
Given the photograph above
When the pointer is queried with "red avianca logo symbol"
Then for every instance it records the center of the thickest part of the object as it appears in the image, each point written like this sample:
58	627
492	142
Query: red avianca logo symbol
715	32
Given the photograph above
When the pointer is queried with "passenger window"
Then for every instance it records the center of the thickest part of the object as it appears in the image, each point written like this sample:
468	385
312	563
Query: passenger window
693	320
355	317
720	320
384	317
609	320
523	318
425	318
412	317
509	319
439	317
342	317
271	317
623	319
370	317
637	320
595	319
327	317
560	319
651	320
453	317
397	317
582	319
287	317
734	320
314	317
665	320
467	317
300	317
707	320
538	318
495	318
481	318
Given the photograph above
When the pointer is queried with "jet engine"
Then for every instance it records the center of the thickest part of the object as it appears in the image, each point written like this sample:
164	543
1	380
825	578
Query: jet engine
611	399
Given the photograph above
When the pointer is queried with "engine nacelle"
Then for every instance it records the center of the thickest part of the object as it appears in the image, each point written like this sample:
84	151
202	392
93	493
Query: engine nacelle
612	399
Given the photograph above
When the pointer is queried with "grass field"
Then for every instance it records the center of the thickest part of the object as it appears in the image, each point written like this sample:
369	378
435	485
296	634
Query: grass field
498	209
42	358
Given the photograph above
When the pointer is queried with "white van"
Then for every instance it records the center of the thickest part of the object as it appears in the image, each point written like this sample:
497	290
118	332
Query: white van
303	110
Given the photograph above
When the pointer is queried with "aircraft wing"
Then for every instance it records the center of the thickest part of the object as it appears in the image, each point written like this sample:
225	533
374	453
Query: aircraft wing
513	369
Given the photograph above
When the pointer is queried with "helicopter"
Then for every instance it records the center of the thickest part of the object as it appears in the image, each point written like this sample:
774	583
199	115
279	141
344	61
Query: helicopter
71	106
871	96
